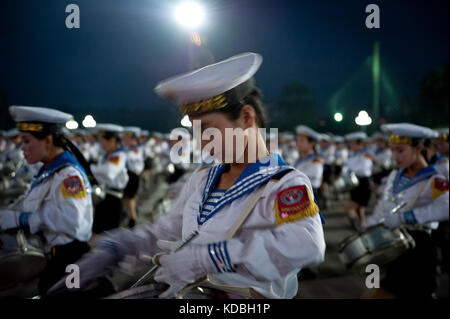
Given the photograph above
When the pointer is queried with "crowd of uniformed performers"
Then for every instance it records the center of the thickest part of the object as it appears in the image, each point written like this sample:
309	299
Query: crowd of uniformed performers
111	197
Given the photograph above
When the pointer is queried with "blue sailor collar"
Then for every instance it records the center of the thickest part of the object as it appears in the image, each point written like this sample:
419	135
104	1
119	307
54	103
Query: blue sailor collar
307	158
252	177
64	159
422	175
117	150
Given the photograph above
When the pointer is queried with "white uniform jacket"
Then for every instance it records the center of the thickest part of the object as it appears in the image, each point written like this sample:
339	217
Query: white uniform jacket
360	163
312	167
431	205
135	160
282	234
382	159
112	170
58	203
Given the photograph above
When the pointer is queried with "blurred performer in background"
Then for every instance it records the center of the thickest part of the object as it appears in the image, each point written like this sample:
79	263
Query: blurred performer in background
442	161
326	152
309	162
260	254
382	159
425	192
360	162
340	155
111	172
58	203
135	166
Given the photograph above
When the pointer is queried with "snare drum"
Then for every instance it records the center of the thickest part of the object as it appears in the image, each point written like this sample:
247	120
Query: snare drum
377	245
346	182
22	257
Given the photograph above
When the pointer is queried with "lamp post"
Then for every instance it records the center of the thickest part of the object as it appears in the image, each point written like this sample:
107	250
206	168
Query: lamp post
363	119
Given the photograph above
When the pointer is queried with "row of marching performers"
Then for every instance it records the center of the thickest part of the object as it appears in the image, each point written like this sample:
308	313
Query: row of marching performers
358	164
407	168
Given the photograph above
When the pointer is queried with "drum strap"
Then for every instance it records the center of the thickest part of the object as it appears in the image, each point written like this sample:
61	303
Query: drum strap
242	291
416	197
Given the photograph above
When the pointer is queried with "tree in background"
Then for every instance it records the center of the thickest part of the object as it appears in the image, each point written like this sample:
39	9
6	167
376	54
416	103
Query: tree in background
433	99
296	105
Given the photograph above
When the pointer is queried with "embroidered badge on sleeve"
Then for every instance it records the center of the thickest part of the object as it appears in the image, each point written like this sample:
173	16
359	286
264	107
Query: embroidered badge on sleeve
114	159
294	203
367	155
439	186
73	186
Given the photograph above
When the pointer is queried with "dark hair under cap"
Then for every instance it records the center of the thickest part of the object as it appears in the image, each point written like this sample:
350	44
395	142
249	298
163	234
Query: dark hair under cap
59	140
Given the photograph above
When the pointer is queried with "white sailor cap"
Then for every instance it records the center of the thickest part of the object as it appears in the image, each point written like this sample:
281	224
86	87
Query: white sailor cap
379	135
145	133
81	132
132	131
11	133
213	87
103	128
38	119
308	132
338	139
287	136
405	133
356	136
324	137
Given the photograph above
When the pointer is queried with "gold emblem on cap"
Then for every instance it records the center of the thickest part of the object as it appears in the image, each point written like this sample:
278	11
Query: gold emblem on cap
29	127
214	103
400	139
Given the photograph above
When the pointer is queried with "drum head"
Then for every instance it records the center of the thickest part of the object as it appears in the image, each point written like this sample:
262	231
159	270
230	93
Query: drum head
17	267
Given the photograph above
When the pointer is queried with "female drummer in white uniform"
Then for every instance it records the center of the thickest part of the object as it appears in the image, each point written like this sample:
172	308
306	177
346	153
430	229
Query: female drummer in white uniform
283	232
111	171
425	193
58	204
135	166
309	162
361	163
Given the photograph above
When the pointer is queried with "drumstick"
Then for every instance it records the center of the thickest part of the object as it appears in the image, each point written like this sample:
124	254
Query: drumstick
397	208
152	270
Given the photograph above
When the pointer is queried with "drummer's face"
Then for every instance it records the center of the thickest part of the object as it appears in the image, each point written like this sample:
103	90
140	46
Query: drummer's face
404	155
303	144
34	150
220	121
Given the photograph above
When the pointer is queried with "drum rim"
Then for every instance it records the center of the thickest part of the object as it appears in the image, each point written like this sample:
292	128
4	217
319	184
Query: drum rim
403	242
352	237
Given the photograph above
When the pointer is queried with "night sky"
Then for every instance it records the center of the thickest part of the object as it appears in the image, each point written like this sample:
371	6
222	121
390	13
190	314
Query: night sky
110	65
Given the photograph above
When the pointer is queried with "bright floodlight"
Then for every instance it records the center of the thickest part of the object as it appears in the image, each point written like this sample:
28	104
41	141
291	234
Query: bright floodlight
72	125
338	117
185	121
363	119
189	14
89	121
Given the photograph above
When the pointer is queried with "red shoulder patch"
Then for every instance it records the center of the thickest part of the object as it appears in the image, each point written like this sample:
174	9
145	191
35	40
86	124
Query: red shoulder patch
294	203
367	155
114	159
439	186
73	186
316	160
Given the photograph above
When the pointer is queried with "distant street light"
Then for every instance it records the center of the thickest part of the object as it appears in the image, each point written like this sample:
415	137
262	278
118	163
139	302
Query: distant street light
89	121
363	119
72	125
185	121
190	15
338	117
